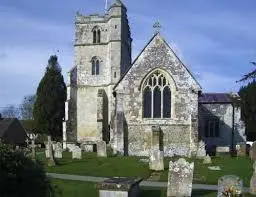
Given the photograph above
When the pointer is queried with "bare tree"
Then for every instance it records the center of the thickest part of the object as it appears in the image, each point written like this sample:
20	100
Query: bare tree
27	106
10	111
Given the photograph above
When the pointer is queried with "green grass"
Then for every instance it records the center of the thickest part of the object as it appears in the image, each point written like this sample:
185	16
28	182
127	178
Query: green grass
81	189
91	165
240	166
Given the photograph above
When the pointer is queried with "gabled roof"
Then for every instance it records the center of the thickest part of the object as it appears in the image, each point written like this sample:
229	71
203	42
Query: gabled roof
154	36
215	98
11	131
4	125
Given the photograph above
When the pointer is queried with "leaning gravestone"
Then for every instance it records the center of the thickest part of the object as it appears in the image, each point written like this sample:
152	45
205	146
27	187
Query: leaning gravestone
119	187
230	185
101	149
253	151
180	178
201	153
76	153
58	150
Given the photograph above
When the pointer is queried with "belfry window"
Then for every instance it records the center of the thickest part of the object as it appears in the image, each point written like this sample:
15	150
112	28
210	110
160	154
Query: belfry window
96	35
95	66
157	96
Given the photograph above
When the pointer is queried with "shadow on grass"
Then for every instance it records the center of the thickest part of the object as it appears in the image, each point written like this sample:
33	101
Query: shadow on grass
162	192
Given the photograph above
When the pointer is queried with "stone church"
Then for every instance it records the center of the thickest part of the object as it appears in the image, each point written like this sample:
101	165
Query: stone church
125	103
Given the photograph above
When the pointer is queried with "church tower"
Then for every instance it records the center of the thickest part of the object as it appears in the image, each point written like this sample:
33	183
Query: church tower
102	51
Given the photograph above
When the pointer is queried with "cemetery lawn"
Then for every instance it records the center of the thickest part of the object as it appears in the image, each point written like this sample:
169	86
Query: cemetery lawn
240	166
81	189
91	165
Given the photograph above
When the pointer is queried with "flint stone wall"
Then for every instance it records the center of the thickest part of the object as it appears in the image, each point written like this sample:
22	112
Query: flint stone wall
157	55
224	112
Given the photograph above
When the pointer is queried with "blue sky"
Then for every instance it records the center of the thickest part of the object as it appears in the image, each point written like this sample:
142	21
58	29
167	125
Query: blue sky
214	38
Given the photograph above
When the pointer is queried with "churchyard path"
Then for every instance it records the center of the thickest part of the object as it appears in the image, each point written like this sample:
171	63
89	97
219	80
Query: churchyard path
143	183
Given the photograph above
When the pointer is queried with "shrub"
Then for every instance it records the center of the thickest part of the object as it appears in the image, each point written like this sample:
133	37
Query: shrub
20	176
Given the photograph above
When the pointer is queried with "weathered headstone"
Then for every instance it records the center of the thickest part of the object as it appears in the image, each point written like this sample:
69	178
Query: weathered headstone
119	187
207	160
33	147
230	185
58	150
201	152
253	151
180	178
222	150
101	149
156	160
76	153
241	149
49	152
71	146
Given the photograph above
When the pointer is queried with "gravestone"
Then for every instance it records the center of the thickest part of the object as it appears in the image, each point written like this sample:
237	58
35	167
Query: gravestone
119	187
207	159
230	185
180	178
222	150
201	152
241	149
253	151
76	153
156	160
101	149
49	152
214	168
156	155
71	146
33	147
58	150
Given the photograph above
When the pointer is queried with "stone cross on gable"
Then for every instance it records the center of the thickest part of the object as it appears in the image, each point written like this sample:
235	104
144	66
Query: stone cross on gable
157	27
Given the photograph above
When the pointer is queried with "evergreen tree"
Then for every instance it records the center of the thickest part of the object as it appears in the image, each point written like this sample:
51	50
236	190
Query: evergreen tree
250	75
49	109
248	108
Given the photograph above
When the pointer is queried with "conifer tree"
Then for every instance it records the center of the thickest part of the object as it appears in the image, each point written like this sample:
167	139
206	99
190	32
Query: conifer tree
49	108
248	108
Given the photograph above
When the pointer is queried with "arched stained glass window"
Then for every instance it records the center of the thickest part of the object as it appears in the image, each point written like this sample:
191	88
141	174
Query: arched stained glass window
147	104
157	96
157	102
166	102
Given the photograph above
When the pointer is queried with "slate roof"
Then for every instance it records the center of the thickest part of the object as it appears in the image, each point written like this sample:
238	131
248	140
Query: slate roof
11	131
4	125
215	98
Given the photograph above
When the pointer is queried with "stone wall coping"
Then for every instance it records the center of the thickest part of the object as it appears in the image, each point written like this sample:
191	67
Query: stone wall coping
119	183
